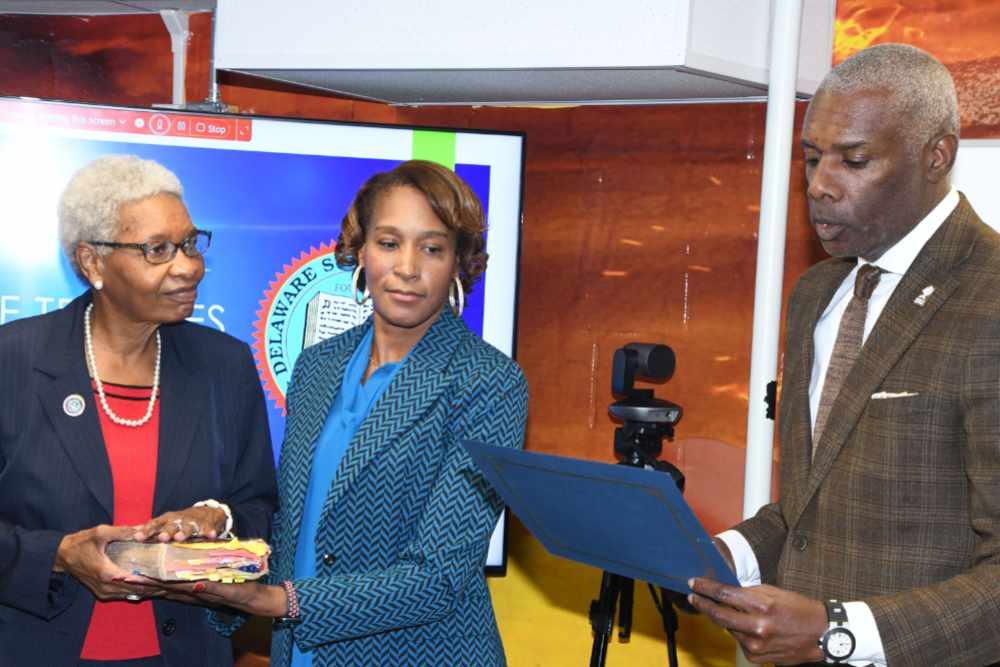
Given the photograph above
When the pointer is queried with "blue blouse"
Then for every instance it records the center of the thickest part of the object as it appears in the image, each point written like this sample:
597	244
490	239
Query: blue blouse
351	407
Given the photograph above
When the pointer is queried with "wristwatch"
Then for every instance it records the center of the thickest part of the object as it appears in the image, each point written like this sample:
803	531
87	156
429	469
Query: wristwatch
837	643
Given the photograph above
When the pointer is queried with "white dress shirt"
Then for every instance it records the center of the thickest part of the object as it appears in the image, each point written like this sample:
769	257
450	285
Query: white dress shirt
895	262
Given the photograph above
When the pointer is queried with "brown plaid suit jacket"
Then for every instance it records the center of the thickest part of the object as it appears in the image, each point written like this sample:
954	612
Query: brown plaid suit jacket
901	506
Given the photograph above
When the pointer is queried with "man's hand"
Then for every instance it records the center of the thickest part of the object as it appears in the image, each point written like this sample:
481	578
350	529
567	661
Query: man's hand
771	624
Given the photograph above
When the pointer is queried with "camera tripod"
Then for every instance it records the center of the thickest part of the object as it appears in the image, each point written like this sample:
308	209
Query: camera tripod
619	591
638	442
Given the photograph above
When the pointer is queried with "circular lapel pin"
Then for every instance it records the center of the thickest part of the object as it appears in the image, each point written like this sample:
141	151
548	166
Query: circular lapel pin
74	405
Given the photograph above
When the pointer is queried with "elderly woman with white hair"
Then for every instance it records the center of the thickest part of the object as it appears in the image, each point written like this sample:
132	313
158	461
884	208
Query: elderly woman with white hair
120	420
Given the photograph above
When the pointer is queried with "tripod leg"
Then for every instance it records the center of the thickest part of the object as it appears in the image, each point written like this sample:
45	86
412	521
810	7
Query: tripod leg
664	604
602	614
627	588
602	617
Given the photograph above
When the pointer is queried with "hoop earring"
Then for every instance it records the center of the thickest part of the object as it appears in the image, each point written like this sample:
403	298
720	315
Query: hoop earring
355	278
456	285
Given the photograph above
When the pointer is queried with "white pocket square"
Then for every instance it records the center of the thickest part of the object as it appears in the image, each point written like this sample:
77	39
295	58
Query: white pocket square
894	394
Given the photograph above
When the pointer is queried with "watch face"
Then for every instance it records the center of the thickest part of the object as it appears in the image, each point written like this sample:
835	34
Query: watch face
838	643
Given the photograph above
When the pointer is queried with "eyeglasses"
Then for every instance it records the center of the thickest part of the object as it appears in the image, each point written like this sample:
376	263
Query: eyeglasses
161	252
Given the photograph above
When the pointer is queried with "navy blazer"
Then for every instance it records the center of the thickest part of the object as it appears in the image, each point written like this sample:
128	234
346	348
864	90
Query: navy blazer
55	477
403	537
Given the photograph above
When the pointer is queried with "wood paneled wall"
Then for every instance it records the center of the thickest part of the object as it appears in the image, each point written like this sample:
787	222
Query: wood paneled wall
639	225
639	222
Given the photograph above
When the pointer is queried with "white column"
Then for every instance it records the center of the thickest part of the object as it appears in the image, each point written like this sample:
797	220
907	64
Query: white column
784	57
785	27
177	25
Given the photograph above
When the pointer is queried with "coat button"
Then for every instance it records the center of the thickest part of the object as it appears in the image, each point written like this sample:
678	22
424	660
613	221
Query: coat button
800	542
329	559
169	627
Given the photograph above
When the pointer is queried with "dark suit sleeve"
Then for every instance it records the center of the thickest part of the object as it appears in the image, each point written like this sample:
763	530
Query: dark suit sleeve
27	556
449	547
27	581
253	494
9	548
766	532
956	621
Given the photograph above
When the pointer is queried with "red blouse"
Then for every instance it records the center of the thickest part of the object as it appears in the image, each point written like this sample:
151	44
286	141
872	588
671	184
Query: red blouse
127	630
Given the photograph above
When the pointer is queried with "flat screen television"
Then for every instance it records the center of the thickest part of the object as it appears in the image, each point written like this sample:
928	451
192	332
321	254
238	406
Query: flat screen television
273	192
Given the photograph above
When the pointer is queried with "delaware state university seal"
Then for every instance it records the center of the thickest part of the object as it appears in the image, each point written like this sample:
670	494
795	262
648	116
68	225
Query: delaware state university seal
308	301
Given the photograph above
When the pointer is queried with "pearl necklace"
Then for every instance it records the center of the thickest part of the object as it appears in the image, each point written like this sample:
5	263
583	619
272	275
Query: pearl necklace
88	340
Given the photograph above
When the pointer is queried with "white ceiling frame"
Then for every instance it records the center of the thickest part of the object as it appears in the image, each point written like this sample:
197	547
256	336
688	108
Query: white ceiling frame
102	7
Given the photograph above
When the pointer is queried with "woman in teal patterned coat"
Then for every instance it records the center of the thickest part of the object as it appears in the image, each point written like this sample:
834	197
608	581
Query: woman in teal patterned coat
381	540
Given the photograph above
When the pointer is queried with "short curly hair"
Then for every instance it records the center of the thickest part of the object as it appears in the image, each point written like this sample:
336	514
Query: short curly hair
88	207
452	200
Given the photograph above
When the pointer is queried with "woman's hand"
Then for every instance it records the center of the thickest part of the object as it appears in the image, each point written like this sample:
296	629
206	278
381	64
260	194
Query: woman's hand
82	555
206	522
250	597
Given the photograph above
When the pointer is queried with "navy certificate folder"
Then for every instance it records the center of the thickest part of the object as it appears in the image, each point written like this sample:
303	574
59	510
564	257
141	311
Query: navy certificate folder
629	521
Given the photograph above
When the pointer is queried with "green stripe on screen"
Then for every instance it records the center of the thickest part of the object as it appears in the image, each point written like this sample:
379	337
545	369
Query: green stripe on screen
435	147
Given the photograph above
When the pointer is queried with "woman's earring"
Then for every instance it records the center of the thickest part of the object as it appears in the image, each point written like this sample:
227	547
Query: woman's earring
456	286
98	284
355	279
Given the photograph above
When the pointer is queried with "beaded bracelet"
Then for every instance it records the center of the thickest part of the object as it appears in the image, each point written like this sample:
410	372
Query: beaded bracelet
291	617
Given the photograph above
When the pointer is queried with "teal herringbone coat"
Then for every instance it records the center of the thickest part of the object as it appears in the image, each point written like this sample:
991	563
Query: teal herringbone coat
403	537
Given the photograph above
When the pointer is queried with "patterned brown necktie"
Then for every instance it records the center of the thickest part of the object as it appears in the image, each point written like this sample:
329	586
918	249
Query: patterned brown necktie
847	346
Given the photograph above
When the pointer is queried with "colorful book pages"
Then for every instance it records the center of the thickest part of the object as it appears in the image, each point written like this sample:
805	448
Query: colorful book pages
226	561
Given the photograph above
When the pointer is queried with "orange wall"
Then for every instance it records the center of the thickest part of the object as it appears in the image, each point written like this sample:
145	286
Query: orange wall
961	33
639	224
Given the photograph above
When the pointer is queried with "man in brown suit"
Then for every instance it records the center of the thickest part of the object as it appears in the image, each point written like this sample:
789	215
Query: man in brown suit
890	450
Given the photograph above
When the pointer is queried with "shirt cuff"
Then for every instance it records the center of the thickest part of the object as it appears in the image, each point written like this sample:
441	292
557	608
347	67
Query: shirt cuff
747	568
868	649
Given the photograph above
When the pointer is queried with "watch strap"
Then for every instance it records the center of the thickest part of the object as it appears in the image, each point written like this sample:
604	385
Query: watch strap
836	616
835	612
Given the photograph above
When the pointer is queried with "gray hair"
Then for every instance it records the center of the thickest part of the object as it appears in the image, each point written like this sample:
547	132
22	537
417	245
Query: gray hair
88	207
921	89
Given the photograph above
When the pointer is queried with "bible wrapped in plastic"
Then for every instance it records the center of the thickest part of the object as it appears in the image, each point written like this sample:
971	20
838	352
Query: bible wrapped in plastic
226	561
